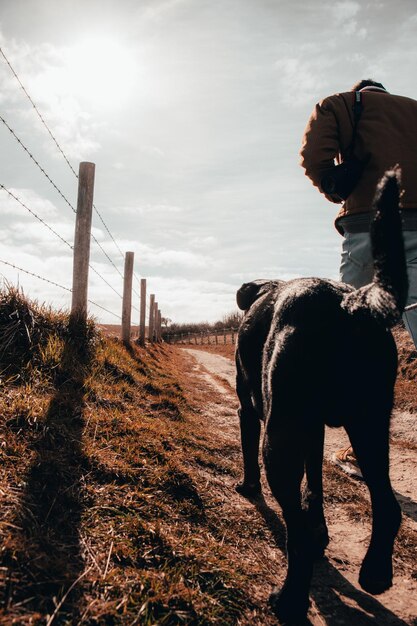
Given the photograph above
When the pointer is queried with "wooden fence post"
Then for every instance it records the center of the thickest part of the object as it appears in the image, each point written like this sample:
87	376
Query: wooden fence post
127	296
157	329
233	335
155	322
159	326
142	315
151	319
82	240
224	335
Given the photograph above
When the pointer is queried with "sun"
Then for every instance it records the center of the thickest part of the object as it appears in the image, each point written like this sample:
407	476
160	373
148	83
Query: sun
100	71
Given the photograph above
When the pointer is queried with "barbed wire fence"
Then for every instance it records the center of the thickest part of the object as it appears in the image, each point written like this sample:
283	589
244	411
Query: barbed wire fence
83	234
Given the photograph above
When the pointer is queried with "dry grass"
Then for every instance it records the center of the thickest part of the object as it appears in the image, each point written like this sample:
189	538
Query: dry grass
102	522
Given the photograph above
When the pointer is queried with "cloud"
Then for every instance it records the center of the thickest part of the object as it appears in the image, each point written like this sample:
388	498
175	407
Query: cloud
159	257
345	11
42	70
198	300
9	206
52	265
300	80
156	9
36	239
344	14
203	242
146	209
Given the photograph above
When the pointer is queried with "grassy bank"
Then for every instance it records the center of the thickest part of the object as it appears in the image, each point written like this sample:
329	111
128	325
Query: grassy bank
101	520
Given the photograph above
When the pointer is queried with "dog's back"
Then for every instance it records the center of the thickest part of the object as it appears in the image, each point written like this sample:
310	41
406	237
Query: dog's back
320	362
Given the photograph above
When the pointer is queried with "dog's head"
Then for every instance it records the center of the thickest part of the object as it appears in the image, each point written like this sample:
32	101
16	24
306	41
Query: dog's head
249	292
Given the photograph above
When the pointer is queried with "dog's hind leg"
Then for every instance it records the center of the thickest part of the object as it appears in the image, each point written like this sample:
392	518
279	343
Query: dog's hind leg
370	443
313	491
284	460
250	431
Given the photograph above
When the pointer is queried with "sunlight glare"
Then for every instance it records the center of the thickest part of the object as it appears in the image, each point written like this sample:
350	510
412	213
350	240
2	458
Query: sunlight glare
100	71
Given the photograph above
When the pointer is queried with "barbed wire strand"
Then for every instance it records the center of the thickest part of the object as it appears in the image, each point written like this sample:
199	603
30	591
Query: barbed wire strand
38	113
46	280
104	309
51	282
103	279
57	189
12	195
107	229
138	281
56	234
56	142
106	255
37	163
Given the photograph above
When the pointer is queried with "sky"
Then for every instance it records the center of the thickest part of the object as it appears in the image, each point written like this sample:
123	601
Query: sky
193	112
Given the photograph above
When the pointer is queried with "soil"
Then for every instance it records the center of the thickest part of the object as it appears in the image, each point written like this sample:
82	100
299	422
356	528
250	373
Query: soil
336	596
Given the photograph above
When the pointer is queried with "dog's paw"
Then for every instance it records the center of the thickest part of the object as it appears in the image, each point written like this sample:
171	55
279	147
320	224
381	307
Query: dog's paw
375	581
289	607
249	490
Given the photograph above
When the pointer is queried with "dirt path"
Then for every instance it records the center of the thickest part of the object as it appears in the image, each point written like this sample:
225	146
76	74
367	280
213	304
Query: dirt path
336	595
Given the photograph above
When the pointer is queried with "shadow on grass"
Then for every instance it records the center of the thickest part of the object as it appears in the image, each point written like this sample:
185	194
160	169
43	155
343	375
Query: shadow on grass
329	587
47	563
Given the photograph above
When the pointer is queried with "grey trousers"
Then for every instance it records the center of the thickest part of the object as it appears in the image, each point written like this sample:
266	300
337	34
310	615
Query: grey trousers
357	269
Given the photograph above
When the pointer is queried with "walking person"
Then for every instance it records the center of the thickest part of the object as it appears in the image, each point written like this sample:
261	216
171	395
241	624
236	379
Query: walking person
370	131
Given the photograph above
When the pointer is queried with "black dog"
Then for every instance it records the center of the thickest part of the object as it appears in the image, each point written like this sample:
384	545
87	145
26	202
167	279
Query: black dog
313	352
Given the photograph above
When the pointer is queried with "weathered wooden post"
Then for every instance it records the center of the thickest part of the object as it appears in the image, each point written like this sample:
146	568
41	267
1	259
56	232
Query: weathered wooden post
216	339
142	315
82	240
224	335
233	335
127	296
151	318
159	326
155	322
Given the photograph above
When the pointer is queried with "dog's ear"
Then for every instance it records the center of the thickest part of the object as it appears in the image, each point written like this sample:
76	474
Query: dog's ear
249	292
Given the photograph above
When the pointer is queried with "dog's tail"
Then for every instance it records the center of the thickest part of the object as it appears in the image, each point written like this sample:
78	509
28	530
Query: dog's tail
386	296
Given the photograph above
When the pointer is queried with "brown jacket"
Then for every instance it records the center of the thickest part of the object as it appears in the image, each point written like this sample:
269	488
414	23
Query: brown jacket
386	135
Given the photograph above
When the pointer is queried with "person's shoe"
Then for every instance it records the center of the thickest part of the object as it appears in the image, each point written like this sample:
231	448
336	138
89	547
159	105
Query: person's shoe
346	460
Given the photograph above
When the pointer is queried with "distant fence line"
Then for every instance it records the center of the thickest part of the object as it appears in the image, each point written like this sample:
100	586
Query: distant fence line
208	337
